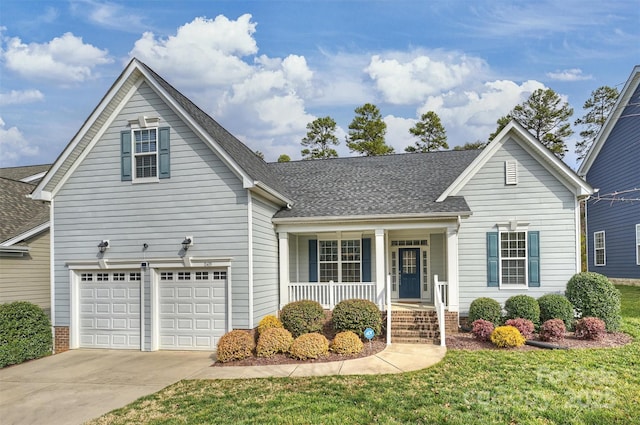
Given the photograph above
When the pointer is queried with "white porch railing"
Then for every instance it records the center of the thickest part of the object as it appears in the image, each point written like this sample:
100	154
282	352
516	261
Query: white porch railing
440	303
328	294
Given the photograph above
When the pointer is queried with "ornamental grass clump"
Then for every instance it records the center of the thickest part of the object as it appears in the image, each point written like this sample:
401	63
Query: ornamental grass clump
507	337
301	317
525	326
590	328
552	330
593	295
235	345
269	322
486	309
482	329
309	346
556	306
273	341
356	315
524	307
346	343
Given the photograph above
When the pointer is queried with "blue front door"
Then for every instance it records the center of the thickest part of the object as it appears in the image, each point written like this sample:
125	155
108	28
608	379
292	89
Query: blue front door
409	272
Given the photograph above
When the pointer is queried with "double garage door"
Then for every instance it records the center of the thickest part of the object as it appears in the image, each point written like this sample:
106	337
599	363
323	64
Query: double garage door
190	310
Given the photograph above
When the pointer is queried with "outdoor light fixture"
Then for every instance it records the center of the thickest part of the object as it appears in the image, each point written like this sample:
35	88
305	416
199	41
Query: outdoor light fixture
187	242
103	245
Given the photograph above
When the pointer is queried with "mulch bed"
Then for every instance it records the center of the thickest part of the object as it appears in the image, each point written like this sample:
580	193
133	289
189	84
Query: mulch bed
466	341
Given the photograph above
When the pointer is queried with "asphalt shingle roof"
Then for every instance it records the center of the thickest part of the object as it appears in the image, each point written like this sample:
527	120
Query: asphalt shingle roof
378	185
19	214
19	173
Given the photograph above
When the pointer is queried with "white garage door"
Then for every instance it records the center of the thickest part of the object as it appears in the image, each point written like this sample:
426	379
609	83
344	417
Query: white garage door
110	310
192	309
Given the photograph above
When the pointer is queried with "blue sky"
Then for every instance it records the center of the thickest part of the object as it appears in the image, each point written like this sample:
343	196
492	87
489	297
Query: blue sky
264	69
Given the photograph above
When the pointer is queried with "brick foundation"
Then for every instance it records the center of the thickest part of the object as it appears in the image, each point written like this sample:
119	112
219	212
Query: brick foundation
451	321
61	343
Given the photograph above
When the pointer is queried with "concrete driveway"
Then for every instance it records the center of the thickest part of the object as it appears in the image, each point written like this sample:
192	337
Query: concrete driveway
79	385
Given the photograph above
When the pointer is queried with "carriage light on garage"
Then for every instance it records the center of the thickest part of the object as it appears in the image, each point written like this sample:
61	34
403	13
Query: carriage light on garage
103	245
187	242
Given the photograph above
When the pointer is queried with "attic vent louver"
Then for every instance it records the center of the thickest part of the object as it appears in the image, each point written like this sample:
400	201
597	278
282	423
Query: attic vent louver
511	172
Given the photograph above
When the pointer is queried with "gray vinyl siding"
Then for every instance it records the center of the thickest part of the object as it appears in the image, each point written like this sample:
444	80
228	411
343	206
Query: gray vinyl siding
265	260
203	198
300	258
26	278
438	251
494	202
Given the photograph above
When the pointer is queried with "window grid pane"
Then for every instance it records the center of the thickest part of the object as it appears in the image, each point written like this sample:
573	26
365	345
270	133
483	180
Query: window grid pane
599	249
146	141
350	250
328	271
513	255
146	166
351	272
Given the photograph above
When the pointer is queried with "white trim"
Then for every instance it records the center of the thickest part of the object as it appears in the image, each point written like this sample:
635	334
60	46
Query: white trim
518	229
595	249
578	234
250	255
380	262
142	309
619	107
52	270
33	177
321	227
638	244
452	270
511	172
154	298
135	155
283	265
397	217
544	156
118	264
26	235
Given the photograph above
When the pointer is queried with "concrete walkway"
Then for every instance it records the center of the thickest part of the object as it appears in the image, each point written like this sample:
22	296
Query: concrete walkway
76	386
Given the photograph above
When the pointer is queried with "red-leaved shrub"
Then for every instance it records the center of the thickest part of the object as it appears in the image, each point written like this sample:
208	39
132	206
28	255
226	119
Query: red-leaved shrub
590	328
552	330
525	326
482	329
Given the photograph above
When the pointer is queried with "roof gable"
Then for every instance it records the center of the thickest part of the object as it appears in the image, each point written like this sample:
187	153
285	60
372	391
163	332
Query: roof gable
19	215
251	169
622	106
515	131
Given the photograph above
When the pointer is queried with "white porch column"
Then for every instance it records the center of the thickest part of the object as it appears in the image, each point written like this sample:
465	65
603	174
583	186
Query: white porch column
380	280
452	269
283	254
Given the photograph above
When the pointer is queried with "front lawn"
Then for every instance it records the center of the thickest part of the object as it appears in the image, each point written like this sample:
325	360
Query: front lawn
584	386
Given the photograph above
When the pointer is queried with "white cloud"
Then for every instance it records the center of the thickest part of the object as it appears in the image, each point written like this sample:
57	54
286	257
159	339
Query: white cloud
398	134
407	78
109	15
573	74
15	97
65	59
13	145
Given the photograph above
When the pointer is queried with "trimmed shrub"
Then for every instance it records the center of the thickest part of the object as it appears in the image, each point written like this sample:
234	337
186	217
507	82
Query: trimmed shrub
525	326
482	329
235	345
593	295
346	342
524	307
269	322
552	330
556	306
25	333
273	341
507	337
356	315
302	317
590	328
309	346
486	309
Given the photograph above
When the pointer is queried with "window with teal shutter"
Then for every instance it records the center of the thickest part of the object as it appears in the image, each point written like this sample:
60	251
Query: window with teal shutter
313	260
366	260
125	155
492	259
534	259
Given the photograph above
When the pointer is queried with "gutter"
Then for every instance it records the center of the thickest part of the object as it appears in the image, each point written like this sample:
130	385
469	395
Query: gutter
377	217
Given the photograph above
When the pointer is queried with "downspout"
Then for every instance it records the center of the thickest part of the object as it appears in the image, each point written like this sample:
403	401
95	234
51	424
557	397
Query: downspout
250	255
52	280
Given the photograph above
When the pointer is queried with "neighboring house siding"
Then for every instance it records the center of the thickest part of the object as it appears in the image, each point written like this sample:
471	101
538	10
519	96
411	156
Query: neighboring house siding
616	169
265	260
493	202
26	278
202	198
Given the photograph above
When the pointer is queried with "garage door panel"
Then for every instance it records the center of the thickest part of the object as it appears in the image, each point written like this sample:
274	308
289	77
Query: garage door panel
203	308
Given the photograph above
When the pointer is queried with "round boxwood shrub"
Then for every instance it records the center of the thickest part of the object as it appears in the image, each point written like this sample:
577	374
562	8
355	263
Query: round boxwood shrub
593	295
590	328
507	337
552	330
269	322
356	315
273	341
301	317
235	345
556	306
25	333
525	326
309	346
346	342
482	329
523	307
486	309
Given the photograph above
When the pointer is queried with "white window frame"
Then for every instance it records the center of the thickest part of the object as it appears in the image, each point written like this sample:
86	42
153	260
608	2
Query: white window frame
596	248
501	258
340	258
136	155
638	244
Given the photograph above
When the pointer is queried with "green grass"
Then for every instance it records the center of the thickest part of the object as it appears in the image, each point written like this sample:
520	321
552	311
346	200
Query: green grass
585	386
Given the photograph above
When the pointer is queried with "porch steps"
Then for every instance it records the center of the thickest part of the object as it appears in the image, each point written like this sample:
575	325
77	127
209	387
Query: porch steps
414	327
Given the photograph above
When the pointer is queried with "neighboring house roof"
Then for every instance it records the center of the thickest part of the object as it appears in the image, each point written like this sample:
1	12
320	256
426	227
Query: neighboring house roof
242	160
624	103
20	216
390	185
27	174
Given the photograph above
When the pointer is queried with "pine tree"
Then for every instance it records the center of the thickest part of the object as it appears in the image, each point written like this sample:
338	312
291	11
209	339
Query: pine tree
367	131
319	139
430	132
597	108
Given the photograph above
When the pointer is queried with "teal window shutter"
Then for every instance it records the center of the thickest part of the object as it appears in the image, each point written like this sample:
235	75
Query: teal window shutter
492	259
534	259
125	155
313	260
163	153
366	260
